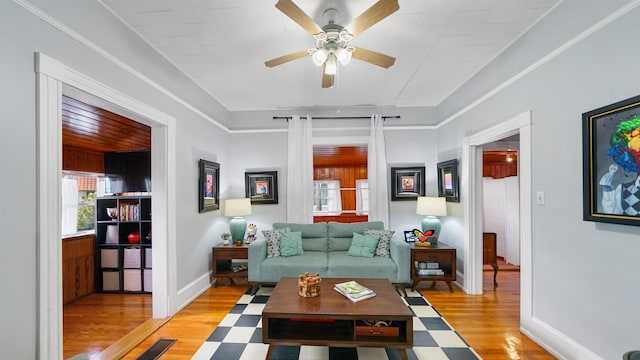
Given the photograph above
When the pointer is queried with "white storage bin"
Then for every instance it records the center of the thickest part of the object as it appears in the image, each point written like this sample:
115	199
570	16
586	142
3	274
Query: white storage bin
110	281
148	285
147	258
109	258
131	258
132	280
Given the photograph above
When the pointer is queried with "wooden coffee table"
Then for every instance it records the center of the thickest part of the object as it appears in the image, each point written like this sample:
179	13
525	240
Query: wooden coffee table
333	320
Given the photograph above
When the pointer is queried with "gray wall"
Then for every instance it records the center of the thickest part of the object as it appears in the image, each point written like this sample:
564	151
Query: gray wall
23	34
585	274
577	265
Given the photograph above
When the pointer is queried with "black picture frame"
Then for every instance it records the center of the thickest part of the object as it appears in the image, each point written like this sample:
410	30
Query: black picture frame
208	186
409	236
407	183
261	187
448	180
610	141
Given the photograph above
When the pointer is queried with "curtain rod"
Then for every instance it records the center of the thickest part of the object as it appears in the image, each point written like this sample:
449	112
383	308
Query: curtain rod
337	117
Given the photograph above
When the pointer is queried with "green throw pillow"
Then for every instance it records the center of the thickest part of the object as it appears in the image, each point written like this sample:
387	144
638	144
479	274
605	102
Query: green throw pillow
363	245
291	243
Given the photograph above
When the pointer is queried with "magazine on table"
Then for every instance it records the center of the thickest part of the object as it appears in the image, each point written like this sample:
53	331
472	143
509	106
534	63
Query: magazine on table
354	291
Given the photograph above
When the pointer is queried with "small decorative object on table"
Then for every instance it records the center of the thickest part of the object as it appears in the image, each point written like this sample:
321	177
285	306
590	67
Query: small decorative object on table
226	238
113	213
308	285
239	242
251	234
134	237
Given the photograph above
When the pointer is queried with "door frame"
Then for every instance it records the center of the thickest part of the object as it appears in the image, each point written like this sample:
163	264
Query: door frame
473	220
51	77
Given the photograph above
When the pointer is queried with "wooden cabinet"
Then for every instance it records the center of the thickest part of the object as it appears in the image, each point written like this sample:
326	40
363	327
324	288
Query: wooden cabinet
433	263
122	263
224	262
489	253
77	267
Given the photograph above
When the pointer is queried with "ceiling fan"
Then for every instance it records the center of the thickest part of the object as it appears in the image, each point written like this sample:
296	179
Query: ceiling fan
332	40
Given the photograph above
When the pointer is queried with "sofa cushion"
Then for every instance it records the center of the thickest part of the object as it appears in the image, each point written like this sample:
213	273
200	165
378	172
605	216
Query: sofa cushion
314	236
272	269
291	244
385	241
340	234
273	241
363	245
341	265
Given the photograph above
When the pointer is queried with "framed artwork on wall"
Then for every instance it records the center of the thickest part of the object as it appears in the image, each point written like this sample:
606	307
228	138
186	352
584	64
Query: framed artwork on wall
611	158
407	183
208	186
261	187
448	181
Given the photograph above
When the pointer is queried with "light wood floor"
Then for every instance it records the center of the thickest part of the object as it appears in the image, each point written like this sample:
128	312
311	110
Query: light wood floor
489	323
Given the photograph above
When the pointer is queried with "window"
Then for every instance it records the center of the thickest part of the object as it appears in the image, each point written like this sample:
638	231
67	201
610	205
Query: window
326	197
362	197
78	201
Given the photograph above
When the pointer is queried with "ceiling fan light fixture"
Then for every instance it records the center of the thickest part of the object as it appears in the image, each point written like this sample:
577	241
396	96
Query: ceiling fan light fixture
344	54
320	56
331	67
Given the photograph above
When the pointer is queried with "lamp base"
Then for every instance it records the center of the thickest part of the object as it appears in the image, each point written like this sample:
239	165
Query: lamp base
432	223
237	228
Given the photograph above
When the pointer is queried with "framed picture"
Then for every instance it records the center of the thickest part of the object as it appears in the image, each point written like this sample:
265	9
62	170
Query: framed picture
261	187
208	186
409	236
611	157
407	183
448	182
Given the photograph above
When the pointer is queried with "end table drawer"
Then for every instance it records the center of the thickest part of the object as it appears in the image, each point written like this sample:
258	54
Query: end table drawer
377	331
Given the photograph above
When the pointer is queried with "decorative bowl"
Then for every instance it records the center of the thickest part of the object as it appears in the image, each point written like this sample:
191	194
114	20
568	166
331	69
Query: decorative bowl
112	213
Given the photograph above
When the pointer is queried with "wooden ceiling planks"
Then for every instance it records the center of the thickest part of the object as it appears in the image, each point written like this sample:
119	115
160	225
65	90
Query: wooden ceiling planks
91	128
331	156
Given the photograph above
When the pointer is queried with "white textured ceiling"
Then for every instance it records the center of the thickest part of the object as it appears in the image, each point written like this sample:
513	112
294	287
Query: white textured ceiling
222	45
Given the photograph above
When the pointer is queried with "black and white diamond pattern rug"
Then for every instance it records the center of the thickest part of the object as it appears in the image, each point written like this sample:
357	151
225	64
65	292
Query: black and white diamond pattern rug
239	336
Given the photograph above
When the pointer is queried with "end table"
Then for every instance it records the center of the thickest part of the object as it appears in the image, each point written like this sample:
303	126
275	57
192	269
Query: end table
222	265
433	263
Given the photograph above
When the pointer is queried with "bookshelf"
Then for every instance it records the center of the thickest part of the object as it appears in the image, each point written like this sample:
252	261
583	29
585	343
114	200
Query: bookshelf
123	263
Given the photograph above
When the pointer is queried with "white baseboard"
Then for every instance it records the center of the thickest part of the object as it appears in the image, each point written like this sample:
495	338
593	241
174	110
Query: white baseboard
554	341
190	292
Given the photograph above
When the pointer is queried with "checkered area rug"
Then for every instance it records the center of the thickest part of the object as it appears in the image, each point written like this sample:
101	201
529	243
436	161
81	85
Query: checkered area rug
239	336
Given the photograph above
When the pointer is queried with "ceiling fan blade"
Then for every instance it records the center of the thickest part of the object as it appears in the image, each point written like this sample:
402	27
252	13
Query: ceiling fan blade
372	15
327	80
373	57
300	17
286	58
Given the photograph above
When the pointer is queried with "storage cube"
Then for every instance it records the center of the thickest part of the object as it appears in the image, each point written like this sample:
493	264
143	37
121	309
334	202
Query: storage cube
148	285
110	281
147	258
109	258
132	258
132	280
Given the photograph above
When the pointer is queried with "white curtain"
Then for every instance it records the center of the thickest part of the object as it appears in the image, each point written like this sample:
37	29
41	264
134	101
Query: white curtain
377	173
69	205
300	171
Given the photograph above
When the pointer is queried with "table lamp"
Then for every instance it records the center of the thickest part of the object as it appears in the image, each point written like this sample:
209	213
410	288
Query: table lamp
237	208
431	207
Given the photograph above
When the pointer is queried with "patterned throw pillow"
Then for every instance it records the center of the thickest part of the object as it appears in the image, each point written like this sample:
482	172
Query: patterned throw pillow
385	241
363	245
273	241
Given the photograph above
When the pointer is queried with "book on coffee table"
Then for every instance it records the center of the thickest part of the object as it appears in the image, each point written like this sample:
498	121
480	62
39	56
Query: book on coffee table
354	291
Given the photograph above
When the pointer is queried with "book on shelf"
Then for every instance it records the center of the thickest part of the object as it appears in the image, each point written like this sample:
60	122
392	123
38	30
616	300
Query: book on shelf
354	291
430	272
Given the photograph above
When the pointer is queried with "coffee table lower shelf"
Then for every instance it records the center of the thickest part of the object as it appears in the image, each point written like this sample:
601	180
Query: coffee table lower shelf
331	320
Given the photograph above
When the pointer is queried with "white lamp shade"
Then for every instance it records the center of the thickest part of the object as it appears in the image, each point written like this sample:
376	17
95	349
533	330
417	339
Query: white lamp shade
343	55
320	56
237	207
431	206
331	67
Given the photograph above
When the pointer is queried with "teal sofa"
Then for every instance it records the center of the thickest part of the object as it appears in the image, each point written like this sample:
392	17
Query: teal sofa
325	248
